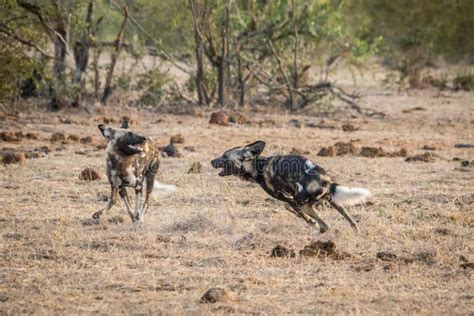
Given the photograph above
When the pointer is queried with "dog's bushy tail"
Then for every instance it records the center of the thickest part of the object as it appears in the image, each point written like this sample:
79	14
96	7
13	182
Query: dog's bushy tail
349	196
161	188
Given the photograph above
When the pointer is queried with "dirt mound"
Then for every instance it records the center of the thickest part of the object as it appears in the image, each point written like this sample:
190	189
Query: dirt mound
177	139
196	168
11	157
214	295
341	149
73	138
324	249
238	118
281	251
89	174
425	256
58	137
9	136
327	152
429	147
86	140
267	123
425	157
349	128
295	123
372	152
219	118
299	151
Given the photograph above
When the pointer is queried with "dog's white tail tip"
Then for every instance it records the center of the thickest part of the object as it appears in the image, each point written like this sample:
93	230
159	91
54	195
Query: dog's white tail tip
350	196
161	188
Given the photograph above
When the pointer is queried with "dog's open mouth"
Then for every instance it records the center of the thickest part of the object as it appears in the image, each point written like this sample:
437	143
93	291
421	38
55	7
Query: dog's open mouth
136	147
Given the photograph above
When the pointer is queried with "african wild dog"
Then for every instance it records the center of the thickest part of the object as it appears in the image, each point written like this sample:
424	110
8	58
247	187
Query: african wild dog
132	161
292	179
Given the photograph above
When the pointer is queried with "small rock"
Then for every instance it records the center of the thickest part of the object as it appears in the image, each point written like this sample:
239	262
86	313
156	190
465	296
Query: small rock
171	151
196	168
280	251
57	137
219	118
177	139
215	295
89	174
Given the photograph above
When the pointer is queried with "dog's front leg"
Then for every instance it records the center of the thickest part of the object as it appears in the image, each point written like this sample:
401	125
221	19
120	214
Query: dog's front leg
344	213
124	195
138	202
112	201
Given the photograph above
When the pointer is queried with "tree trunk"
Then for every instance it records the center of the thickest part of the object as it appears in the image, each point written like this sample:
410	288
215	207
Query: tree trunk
114	57
241	81
221	75
81	49
196	9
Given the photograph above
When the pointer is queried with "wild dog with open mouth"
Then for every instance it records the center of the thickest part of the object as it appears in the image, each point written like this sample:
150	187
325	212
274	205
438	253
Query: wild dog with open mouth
292	179
132	161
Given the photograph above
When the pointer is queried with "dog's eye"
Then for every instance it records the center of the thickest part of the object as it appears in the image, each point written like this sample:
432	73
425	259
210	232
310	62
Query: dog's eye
129	134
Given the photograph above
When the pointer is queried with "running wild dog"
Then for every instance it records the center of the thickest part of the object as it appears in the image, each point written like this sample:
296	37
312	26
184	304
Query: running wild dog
292	179
132	161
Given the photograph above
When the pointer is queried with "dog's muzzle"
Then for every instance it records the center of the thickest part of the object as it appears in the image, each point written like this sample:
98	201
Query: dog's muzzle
220	163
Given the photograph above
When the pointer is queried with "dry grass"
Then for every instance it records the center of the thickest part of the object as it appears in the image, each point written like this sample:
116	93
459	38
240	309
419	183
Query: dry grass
219	232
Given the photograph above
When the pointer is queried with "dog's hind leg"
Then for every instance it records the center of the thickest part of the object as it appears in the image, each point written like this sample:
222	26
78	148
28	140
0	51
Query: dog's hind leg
344	213
150	182
124	195
112	201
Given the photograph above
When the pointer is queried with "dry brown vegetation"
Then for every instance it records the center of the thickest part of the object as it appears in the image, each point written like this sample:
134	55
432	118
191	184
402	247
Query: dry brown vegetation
414	253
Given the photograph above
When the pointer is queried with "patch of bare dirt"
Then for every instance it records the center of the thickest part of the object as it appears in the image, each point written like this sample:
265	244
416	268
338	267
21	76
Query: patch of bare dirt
324	249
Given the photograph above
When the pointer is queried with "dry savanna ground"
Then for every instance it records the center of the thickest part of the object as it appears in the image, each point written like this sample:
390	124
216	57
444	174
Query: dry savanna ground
414	253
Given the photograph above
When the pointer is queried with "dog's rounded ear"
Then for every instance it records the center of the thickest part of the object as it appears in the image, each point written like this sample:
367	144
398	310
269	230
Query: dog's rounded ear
254	149
124	124
105	130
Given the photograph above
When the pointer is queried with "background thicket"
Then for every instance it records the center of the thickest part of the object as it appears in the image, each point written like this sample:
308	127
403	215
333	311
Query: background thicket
226	52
